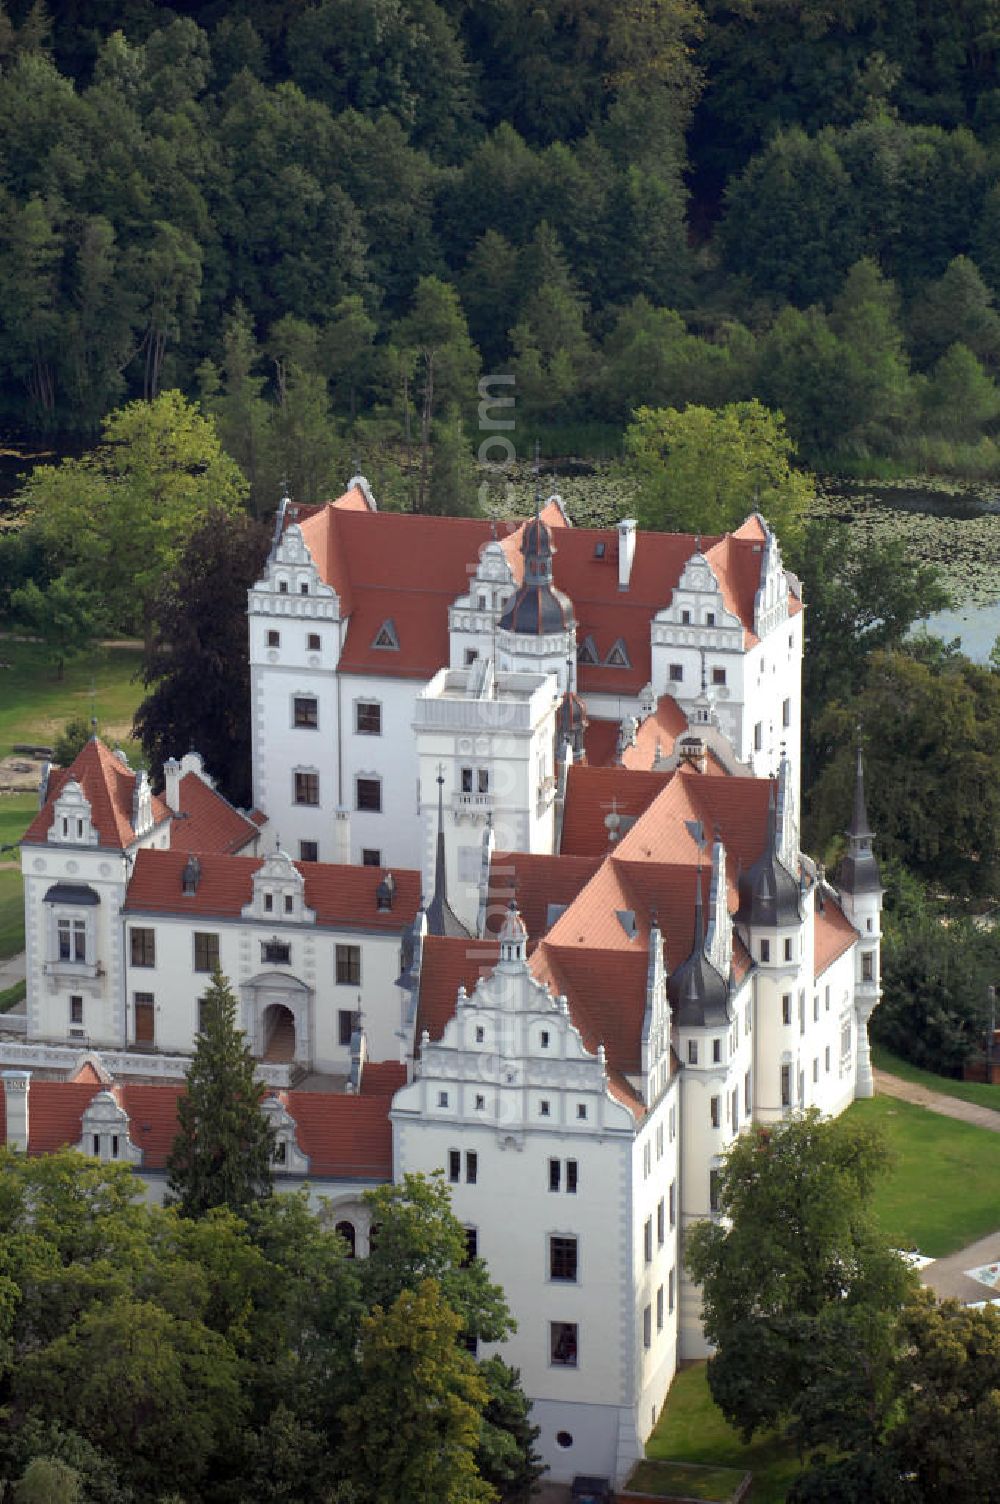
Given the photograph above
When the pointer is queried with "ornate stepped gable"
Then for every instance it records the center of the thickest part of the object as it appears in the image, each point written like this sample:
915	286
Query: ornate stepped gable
414	571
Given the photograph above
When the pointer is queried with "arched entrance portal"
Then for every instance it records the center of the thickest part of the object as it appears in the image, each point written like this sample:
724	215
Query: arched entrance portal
277	1013
278	1027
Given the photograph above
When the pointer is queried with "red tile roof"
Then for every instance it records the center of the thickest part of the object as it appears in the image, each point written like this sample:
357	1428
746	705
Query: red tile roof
655	737
447	965
833	933
535	882
108	785
592	793
387	565
345	1137
209	822
341	896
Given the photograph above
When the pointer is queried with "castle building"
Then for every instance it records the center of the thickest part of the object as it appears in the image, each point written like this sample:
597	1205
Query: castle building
522	900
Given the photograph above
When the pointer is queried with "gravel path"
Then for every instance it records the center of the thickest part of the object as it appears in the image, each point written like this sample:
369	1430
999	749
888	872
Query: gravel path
935	1101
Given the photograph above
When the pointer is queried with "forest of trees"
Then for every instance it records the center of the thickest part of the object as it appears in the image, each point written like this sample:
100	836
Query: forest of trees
295	212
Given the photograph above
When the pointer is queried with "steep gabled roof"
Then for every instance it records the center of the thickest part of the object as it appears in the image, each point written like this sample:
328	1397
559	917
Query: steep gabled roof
594	793
537	882
211	823
447	965
109	786
833	933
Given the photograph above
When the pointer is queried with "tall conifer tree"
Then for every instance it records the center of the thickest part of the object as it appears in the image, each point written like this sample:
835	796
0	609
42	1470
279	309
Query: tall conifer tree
224	1148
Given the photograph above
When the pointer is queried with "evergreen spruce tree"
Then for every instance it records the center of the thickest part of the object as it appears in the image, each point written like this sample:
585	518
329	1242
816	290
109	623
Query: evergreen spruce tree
224	1148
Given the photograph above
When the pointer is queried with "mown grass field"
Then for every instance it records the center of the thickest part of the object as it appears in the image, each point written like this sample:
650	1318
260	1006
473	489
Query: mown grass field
691	1428
35	705
944	1188
976	1092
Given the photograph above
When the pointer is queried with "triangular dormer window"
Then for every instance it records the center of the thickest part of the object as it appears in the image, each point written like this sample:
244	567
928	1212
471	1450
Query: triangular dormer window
386	636
618	656
587	651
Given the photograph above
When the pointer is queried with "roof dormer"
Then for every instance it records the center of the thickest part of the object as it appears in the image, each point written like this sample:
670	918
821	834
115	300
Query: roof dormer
288	1158
105	1135
72	822
279	892
142	805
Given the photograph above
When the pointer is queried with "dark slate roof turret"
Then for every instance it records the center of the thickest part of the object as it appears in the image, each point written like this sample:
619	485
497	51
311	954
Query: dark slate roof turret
572	722
699	995
537	607
769	894
441	918
859	869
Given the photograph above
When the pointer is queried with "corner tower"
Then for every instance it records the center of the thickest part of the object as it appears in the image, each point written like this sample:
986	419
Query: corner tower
861	892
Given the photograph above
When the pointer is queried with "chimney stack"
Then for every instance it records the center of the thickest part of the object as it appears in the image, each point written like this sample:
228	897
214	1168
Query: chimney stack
172	784
626	551
15	1090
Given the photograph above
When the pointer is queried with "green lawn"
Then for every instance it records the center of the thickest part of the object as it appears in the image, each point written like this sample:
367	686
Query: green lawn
944	1189
976	1092
12	995
667	1480
16	811
34	705
691	1429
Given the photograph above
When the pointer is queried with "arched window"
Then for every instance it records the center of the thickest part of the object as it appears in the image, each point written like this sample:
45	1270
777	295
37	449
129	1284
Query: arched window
346	1231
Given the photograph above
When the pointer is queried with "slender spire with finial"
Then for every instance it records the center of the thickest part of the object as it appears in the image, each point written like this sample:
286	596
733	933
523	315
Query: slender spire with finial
441	918
859	872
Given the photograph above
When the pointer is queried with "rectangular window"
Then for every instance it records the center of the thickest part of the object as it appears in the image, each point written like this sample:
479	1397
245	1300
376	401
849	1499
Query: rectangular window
562	1259
647	1240
672	1203
659	1309
661	1222
368	718
692	1052
710	618
786	1008
747	1099
470	657
647	1160
827	998
454	1165
736	1108
371	856
718	676
313	642
471	1168
788	950
685	618
867	966
816	1008
143	947
369	794
289	903
306	712
206	951
571	1176
826	1059
543	1109
555	1174
274	639
670	1292
786	1086
845	1037
815	1067
659	1141
563	1344
72	940
647	1326
76	1010
471	1246
758	736
802	1013
765	950
786	713
345	1024
713	1190
307	788
144	1018
716	1106
348	965
716	1051
676	673
308	851
276	952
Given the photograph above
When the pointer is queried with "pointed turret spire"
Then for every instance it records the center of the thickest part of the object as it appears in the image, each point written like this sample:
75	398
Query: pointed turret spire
441	918
859	869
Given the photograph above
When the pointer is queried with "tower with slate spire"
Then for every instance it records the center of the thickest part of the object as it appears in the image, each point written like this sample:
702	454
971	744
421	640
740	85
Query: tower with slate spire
861	897
441	917
536	632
